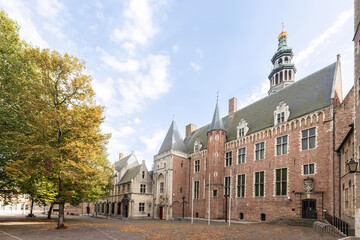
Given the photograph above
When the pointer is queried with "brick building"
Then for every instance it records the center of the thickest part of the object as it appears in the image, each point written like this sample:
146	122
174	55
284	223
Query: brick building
274	158
132	195
356	132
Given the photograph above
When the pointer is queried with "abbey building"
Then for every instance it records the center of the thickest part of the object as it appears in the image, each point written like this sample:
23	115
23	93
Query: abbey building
274	158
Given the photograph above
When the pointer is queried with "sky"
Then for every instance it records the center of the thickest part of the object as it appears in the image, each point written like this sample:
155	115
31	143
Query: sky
155	61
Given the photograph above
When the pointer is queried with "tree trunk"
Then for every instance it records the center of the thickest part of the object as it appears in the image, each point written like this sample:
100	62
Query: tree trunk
50	210
31	208
61	215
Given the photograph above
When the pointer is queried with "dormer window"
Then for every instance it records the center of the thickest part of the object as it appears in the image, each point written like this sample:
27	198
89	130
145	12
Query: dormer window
281	113
242	128
241	132
281	117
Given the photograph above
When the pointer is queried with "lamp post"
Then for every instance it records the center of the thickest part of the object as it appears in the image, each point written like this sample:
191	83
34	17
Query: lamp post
352	165
225	196
183	198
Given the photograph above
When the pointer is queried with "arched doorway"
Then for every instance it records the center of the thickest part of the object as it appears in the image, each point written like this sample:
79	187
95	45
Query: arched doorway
161	213
125	204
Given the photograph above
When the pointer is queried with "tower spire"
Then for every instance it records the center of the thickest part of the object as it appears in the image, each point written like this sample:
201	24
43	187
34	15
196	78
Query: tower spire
283	71
216	123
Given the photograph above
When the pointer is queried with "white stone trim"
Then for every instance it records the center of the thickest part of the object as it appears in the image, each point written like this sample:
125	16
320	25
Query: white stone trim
242	124
281	108
312	174
316	138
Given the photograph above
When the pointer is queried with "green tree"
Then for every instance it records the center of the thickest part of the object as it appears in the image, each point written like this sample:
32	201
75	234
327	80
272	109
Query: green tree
53	146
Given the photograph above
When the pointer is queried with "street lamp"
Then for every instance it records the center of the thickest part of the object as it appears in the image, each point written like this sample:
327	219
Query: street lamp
225	196
352	165
183	198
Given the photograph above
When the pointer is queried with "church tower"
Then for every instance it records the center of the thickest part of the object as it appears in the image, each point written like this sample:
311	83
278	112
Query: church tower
283	71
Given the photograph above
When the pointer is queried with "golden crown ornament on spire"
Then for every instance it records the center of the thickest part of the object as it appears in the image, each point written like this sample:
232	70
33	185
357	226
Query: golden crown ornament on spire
283	33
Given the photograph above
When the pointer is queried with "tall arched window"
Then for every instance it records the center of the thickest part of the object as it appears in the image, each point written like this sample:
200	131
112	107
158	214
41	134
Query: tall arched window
281	77
286	59
276	79
280	61
286	73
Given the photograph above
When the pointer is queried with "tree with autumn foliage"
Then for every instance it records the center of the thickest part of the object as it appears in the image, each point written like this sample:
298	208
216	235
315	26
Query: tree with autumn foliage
59	152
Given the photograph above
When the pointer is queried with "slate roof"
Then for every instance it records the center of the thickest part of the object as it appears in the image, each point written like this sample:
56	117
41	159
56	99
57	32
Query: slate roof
307	95
216	123
119	164
129	175
173	140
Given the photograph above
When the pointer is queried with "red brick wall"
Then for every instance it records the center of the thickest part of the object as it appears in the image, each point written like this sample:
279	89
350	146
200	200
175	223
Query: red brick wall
271	205
180	184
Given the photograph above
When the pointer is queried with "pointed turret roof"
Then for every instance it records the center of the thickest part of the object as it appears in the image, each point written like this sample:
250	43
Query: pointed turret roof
216	123
173	140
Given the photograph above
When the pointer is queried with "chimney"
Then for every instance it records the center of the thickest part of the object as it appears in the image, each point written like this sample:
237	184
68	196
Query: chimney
232	106
190	129
120	156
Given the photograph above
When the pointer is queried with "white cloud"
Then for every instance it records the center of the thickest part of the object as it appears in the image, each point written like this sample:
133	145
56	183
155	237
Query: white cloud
20	12
199	52
340	21
153	143
175	48
131	65
98	4
126	131
195	66
105	90
49	8
129	47
256	94
137	121
138	26
147	84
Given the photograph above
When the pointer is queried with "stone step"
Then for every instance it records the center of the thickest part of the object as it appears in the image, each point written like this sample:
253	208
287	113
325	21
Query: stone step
295	222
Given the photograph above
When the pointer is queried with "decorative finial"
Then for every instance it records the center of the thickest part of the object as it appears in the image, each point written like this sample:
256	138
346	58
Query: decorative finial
282	23
173	117
217	96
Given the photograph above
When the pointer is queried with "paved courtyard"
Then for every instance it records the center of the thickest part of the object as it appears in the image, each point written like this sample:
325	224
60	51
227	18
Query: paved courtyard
20	227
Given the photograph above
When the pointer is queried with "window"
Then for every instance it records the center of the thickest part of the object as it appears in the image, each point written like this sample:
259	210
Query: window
260	151
143	174
228	159
128	187
308	139
259	184
161	187
281	182
182	165
309	169
141	207
241	186
196	189
197	166
281	145
281	117
214	193
241	155
241	132
227	186
142	188
346	197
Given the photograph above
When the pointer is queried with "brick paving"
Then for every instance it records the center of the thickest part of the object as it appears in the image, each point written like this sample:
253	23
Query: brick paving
23	228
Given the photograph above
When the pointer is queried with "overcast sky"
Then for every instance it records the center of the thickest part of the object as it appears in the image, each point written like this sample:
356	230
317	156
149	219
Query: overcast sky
153	60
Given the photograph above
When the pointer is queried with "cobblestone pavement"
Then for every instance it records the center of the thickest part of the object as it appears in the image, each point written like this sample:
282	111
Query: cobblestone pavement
20	227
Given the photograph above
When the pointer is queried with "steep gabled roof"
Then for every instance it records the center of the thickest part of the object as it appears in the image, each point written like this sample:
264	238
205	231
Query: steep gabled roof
173	140
216	123
129	175
307	95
